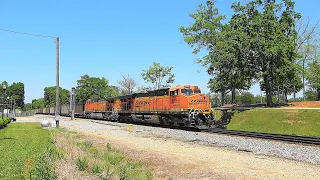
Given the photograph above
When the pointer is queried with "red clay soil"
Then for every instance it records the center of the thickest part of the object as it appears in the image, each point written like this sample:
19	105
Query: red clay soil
306	104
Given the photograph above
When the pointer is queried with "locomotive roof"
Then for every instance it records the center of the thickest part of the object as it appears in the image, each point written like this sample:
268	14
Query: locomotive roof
184	86
157	92
124	97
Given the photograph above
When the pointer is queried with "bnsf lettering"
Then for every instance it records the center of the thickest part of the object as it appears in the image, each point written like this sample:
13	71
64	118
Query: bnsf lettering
142	102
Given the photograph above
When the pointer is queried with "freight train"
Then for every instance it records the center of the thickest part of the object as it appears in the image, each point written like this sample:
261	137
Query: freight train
183	106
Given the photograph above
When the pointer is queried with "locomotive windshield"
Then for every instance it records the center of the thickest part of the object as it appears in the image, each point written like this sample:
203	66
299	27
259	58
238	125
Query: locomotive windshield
197	91
188	92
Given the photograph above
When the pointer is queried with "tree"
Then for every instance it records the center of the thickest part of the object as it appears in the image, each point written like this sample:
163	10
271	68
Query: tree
156	73
227	63
283	85
127	84
7	85
142	89
307	44
205	33
16	91
113	91
79	82
311	95
94	88
272	38
38	103
50	96
226	45
313	78
245	98
27	107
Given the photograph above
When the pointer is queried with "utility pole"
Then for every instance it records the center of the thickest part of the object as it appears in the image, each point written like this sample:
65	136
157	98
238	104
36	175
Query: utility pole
2	107
4	87
72	102
57	85
14	110
7	106
260	96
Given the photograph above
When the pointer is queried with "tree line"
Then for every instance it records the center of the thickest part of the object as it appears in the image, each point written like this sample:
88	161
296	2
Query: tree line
99	88
263	42
14	91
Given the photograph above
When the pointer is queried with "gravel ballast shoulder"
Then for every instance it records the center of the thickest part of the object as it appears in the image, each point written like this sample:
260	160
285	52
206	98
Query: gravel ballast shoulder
303	153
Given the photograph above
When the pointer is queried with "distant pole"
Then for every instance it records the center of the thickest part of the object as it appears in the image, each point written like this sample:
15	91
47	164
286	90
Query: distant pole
7	106
57	85
2	106
72	103
261	96
4	87
14	110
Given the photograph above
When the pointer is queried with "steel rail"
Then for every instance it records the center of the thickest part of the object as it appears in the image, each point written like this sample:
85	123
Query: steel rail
279	137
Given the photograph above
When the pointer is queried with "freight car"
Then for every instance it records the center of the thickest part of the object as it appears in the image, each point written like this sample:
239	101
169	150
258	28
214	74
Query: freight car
65	110
183	106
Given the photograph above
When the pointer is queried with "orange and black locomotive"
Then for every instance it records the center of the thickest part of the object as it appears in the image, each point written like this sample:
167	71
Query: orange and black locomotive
184	106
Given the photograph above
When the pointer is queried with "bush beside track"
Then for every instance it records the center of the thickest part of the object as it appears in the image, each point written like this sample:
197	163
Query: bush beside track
4	122
304	122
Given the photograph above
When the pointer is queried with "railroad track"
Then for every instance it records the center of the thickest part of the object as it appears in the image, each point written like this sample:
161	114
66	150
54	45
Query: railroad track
279	137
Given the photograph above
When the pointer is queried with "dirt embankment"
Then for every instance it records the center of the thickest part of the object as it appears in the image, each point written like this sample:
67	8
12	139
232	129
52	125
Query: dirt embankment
305	104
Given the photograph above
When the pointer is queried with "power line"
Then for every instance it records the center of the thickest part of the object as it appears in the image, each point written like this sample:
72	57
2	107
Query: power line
38	35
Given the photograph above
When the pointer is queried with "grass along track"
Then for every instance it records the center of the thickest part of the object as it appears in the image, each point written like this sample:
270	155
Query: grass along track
28	151
302	122
21	147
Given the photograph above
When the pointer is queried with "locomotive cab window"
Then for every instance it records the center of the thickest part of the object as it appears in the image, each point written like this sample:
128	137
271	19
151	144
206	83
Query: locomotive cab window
187	92
174	93
197	91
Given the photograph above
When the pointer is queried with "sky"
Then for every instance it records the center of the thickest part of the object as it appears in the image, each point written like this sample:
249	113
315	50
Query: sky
103	38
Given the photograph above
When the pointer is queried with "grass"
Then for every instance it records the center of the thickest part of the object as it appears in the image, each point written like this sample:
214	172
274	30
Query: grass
21	147
281	121
29	152
93	159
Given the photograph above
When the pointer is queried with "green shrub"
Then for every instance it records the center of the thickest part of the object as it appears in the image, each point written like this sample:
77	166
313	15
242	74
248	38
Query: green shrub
45	166
311	96
5	121
1	123
96	169
123	173
246	98
149	175
106	174
113	157
109	147
82	163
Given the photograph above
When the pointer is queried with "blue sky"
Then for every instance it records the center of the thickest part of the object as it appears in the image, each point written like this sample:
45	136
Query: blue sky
102	39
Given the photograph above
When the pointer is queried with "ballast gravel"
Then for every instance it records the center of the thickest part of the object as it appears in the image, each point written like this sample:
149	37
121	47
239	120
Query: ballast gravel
298	152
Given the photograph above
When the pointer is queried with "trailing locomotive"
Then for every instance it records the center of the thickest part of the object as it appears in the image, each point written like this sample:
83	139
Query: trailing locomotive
183	106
